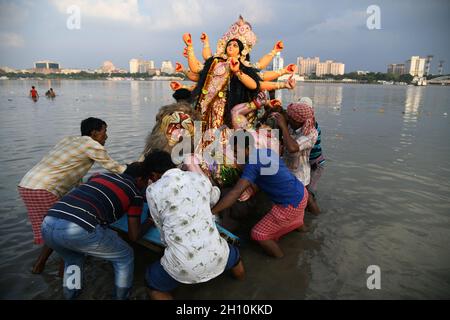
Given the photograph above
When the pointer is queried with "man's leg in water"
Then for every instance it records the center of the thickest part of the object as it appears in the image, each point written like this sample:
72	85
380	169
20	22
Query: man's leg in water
39	265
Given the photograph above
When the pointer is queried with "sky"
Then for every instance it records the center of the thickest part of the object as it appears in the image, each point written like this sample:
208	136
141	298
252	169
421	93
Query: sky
119	30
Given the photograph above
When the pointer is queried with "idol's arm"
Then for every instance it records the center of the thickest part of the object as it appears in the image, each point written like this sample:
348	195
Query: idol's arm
273	75
194	65
191	76
266	85
175	85
264	61
245	79
206	52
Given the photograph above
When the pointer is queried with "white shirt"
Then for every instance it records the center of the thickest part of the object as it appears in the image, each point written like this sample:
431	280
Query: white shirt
180	204
298	162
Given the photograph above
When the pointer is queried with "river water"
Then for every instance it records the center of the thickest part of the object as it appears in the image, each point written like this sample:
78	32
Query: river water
385	194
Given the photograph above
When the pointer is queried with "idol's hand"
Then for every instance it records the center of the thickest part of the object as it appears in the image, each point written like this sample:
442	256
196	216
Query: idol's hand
204	38
187	39
185	54
290	68
234	65
278	46
175	85
290	83
178	67
275	103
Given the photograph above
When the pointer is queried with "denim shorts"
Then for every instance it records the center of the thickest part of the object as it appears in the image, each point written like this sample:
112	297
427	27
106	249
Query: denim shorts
158	279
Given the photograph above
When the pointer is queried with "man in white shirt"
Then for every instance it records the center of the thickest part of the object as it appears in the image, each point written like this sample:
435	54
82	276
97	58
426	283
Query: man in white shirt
180	205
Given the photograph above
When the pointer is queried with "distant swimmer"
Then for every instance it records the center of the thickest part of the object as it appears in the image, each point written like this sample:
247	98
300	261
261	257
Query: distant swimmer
50	93
34	94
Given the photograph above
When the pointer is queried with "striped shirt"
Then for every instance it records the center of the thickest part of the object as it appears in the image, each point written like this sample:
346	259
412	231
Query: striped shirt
105	198
66	164
317	149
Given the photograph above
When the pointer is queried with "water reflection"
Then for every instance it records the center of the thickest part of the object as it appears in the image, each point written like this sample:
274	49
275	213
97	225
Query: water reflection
323	95
328	96
134	95
413	101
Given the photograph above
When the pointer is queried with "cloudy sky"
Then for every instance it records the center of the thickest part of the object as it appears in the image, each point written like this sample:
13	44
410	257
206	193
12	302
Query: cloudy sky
118	30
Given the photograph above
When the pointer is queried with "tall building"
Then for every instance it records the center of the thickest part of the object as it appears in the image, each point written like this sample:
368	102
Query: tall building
134	65
46	67
278	62
416	66
141	66
337	68
307	66
330	67
166	67
396	68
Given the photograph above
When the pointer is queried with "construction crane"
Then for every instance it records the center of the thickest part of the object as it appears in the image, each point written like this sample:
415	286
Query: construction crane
441	67
428	64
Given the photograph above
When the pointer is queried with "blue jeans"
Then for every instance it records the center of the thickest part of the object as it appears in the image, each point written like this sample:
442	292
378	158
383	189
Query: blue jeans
73	243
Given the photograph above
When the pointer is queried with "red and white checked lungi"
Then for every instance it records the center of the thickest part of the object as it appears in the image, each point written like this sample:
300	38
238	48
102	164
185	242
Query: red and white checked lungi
37	202
280	221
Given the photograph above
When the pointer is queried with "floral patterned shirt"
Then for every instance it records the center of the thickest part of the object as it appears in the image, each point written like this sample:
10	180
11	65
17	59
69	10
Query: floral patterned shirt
180	204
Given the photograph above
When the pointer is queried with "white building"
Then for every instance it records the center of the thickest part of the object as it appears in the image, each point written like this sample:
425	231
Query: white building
134	65
330	67
278	62
396	68
46	67
166	67
307	66
337	68
416	66
141	66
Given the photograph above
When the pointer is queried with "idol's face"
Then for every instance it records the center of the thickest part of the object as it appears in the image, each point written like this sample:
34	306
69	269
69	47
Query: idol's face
233	49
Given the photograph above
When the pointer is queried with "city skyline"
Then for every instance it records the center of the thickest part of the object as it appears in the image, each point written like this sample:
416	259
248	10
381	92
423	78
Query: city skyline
119	30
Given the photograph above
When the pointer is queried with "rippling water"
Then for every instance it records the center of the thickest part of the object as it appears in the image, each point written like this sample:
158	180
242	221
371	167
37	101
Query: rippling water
385	194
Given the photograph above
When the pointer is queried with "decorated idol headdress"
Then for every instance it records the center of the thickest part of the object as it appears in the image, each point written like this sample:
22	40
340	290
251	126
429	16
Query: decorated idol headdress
242	31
